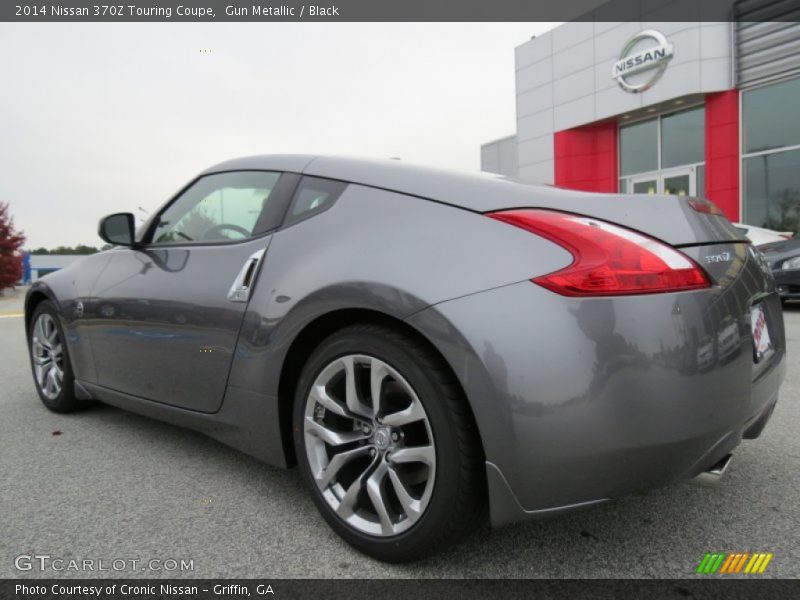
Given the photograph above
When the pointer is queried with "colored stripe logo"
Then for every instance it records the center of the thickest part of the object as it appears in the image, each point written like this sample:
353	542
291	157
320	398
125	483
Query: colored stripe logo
727	563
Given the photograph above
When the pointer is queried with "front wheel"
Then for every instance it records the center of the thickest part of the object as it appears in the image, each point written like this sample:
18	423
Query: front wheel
386	442
52	370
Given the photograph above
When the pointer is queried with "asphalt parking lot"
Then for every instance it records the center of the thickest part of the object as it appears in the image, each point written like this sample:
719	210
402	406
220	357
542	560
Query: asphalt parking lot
106	484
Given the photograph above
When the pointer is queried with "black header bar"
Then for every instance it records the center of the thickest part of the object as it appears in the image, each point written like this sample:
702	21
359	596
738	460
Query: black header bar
392	10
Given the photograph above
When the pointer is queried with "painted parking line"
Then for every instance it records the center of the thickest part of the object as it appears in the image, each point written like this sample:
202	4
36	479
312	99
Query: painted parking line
12	315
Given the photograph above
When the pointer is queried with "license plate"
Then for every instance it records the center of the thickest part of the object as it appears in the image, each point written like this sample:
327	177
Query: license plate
762	345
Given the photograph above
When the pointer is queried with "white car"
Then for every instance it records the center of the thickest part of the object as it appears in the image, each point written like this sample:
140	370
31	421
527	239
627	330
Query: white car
760	236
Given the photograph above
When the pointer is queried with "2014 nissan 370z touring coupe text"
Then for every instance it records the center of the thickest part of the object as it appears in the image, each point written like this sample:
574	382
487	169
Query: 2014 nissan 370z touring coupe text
426	346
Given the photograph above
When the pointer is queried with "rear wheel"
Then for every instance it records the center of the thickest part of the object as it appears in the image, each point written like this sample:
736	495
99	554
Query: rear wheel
52	370
386	442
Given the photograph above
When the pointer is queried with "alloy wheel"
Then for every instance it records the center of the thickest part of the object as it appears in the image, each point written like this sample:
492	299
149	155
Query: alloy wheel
369	445
47	353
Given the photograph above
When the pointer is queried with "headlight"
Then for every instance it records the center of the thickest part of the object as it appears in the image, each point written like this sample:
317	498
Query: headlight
792	263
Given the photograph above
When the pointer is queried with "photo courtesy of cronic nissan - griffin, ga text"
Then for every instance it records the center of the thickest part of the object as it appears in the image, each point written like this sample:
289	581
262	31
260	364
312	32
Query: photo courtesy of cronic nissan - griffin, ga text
431	349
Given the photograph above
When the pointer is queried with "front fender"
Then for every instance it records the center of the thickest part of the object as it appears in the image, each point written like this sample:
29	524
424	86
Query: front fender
66	289
38	292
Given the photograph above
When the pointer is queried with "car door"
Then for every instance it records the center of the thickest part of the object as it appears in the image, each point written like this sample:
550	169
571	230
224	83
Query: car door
166	314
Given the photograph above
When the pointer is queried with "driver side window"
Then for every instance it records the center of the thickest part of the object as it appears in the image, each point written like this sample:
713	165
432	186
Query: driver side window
217	208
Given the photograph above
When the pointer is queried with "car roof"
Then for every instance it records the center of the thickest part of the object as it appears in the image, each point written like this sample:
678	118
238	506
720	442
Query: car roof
476	191
668	218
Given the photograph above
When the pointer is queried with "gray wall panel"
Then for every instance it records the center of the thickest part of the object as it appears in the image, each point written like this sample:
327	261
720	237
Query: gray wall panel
500	156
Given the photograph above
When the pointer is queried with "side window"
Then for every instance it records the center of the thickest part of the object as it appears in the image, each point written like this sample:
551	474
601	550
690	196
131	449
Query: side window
217	208
313	195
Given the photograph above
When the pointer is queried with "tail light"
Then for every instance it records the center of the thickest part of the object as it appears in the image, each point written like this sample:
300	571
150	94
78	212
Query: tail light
608	260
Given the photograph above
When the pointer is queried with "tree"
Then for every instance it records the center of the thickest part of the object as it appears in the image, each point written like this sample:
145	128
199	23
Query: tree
84	249
79	249
10	243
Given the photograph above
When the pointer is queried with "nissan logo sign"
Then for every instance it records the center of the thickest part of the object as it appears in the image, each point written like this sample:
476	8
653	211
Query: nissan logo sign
642	61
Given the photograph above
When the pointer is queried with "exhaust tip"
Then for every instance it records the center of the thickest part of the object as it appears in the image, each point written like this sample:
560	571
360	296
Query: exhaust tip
713	475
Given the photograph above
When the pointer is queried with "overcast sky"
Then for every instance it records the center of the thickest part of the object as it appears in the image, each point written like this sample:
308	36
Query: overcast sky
100	118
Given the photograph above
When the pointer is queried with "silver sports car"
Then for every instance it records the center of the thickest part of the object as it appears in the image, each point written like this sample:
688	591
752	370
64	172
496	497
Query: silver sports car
428	347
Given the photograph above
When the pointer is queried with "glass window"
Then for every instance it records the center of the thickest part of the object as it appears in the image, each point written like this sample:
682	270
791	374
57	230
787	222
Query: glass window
772	191
769	116
683	138
638	147
645	187
678	185
221	207
314	195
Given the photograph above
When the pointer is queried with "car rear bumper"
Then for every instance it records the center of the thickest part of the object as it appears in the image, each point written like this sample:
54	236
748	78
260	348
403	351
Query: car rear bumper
581	400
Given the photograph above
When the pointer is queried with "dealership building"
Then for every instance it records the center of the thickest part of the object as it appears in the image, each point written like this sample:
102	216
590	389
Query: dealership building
694	108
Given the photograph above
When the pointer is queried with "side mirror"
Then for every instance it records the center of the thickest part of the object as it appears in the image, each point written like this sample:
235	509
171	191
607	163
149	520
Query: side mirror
118	229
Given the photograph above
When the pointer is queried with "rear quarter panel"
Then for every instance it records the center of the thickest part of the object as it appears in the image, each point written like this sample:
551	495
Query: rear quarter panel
580	399
378	250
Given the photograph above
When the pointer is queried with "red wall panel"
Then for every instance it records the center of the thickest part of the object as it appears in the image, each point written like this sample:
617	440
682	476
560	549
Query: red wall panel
586	157
722	151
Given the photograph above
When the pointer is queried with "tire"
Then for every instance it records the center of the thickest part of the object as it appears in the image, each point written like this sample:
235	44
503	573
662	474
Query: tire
445	484
48	353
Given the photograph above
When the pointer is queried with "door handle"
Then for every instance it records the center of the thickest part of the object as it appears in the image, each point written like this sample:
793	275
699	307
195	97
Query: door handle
240	290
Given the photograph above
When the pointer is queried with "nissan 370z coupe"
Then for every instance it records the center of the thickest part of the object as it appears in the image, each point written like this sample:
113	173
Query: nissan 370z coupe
426	346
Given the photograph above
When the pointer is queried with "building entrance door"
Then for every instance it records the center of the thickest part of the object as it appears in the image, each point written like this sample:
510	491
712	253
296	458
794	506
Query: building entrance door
645	184
678	182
